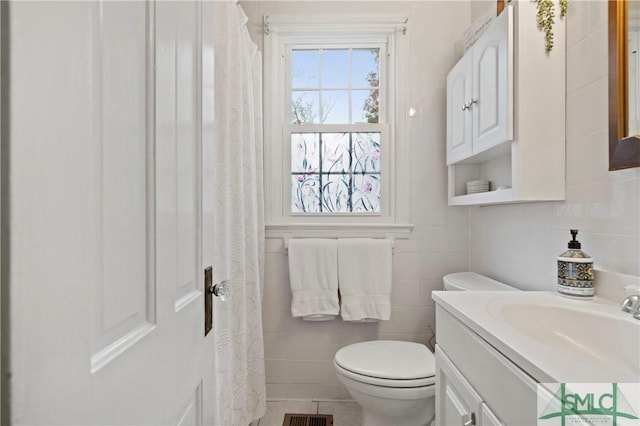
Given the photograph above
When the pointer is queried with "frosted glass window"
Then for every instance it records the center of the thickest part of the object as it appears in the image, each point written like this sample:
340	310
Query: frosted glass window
335	172
305	194
305	155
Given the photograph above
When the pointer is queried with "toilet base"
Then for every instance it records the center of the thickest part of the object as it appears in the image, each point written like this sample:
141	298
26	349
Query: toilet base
384	412
402	393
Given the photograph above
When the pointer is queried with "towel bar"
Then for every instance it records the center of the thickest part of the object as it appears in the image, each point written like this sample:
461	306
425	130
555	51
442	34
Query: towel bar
286	239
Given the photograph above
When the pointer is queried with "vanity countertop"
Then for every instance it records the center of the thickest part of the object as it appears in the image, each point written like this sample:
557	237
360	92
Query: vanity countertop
553	338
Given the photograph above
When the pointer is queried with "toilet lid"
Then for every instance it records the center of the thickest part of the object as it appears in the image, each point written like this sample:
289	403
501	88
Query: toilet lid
386	359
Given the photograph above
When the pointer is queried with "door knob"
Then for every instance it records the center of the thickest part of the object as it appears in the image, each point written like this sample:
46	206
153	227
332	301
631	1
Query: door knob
221	290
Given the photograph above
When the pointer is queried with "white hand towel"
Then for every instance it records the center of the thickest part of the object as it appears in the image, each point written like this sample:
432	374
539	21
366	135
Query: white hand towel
364	275
313	274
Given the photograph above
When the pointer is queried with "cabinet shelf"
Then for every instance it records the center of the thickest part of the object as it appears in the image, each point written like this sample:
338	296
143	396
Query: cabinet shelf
502	196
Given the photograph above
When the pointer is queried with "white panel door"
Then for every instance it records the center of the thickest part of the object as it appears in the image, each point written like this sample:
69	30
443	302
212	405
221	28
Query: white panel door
106	212
459	116
492	100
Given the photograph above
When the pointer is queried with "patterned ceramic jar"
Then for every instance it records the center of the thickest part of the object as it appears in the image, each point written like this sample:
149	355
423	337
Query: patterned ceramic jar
575	272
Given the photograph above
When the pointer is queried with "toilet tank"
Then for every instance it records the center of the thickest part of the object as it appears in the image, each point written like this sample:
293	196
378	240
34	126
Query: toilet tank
470	281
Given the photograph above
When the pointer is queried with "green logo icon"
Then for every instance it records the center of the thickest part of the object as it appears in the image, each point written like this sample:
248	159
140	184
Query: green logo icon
585	404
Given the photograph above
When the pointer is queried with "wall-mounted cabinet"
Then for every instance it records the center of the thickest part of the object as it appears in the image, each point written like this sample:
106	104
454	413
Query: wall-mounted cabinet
480	93
506	113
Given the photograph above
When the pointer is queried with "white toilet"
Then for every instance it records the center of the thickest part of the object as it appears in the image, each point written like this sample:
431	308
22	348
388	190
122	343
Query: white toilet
470	281
394	381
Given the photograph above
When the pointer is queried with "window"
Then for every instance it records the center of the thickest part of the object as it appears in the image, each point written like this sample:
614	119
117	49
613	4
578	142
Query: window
335	169
334	85
332	133
335	172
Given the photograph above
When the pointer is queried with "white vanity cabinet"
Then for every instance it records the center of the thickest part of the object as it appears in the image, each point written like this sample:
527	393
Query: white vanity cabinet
457	403
480	93
506	112
476	384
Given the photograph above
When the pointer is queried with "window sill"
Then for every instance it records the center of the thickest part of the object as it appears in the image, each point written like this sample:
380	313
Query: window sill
324	230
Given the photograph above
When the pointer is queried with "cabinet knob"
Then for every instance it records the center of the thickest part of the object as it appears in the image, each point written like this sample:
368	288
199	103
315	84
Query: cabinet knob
471	421
469	104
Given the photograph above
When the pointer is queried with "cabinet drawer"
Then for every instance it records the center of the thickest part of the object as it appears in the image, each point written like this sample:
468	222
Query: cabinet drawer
503	386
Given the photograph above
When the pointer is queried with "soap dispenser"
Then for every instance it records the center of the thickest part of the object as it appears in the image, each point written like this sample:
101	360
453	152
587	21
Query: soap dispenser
575	271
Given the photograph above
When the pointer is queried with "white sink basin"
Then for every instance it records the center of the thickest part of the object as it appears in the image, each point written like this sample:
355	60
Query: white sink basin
605	341
553	338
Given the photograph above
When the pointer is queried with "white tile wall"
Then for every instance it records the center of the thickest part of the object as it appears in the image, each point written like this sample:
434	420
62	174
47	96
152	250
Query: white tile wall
519	243
299	354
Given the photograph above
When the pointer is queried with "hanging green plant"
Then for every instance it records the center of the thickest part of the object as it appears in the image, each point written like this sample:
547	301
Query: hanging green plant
546	18
563	8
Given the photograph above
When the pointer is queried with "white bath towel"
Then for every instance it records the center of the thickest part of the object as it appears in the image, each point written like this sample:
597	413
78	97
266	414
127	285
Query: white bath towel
364	275
313	273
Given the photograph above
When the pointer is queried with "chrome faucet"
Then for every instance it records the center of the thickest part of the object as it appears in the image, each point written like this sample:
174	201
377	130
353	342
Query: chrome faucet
631	304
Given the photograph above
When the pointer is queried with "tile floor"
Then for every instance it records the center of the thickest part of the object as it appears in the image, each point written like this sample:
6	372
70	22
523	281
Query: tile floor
344	413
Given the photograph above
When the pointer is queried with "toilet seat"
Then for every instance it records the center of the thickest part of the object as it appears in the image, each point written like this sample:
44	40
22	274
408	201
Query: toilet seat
393	364
387	383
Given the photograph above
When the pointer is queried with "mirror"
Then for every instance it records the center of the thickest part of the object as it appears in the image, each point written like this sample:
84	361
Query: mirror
624	88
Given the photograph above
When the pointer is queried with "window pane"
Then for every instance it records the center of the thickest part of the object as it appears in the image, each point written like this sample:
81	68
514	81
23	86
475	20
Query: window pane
335	107
305	152
335	68
305	193
365	106
366	152
305	107
349	180
305	65
336	155
365	67
335	193
366	193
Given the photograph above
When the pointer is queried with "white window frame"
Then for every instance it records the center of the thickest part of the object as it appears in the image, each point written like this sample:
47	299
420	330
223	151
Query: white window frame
286	32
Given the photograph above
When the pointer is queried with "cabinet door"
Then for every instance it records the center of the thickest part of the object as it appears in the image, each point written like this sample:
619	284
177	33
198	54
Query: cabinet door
492	100
456	401
458	113
487	418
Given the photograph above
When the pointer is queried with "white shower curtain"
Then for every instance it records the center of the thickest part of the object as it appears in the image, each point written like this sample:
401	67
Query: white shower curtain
239	222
